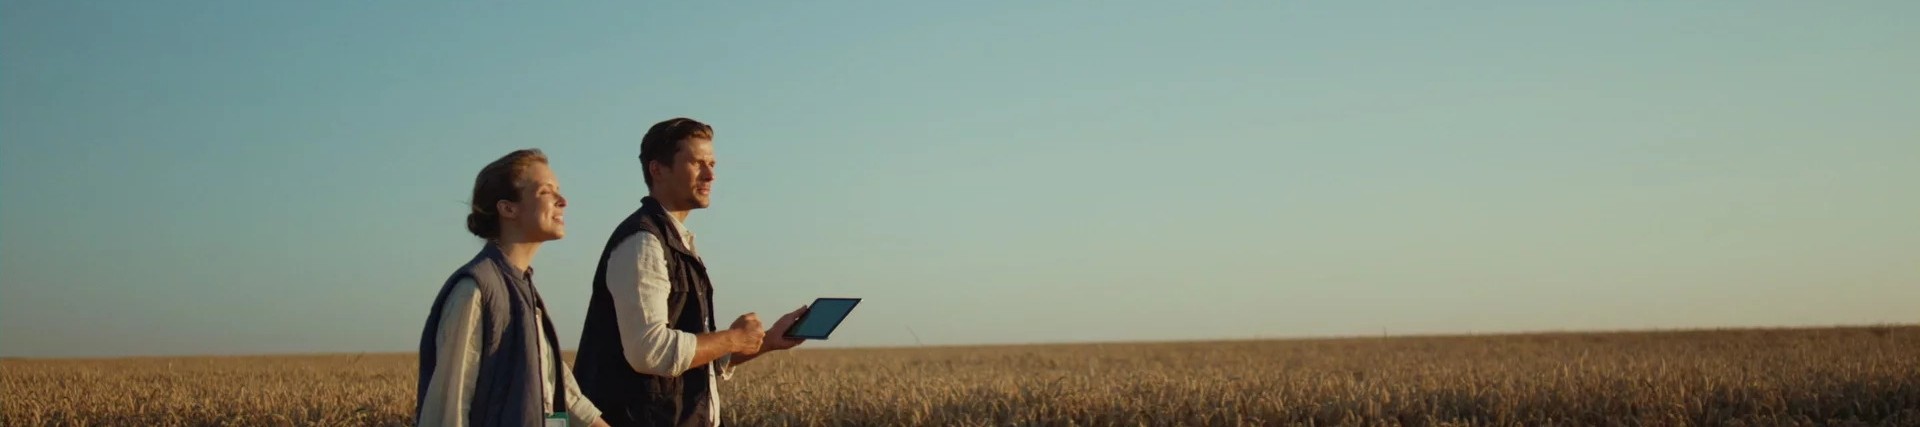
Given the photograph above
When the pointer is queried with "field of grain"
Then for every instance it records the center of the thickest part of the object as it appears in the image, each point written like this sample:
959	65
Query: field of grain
1840	376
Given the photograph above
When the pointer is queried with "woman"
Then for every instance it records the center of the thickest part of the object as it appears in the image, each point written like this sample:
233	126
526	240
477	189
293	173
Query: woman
488	355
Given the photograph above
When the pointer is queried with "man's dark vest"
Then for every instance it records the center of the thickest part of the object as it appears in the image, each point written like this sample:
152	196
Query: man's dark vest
627	397
507	390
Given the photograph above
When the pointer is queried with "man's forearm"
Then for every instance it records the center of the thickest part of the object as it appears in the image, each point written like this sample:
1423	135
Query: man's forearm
739	359
712	346
765	347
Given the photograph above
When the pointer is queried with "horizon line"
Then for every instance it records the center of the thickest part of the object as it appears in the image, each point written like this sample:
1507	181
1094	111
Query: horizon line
1337	337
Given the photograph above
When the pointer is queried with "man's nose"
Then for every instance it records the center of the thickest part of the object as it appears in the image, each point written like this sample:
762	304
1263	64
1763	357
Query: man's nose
563	201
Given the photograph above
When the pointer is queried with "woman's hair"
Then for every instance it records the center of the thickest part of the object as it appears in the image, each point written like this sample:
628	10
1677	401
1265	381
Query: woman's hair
498	181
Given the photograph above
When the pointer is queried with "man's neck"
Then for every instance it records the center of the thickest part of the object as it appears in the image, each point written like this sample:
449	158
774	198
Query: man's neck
679	213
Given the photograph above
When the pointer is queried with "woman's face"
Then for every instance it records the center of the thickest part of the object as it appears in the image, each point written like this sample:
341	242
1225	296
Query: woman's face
540	213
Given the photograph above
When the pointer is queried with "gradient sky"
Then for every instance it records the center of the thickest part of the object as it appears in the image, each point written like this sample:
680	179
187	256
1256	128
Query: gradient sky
246	177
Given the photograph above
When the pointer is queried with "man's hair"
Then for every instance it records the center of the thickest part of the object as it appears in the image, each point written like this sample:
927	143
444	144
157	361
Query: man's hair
662	142
498	181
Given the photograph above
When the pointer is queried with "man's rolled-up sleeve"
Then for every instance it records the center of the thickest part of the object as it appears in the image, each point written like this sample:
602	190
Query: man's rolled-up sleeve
637	280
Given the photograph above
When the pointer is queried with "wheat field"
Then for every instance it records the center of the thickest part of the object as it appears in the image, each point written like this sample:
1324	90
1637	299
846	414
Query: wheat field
1831	376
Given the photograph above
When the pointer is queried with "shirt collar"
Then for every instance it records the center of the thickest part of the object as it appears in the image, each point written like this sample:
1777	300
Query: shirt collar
500	257
679	228
686	235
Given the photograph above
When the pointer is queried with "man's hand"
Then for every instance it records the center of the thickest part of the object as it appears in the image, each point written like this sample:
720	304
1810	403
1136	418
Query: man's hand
746	321
746	334
776	338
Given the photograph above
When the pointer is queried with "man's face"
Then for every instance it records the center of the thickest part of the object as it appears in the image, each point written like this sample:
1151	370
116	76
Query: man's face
686	180
541	212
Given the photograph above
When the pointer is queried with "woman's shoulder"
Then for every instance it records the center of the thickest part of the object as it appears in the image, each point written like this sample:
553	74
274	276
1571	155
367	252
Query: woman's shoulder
480	294
470	276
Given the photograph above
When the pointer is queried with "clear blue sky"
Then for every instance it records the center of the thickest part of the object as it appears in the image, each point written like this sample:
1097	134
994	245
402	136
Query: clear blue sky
265	177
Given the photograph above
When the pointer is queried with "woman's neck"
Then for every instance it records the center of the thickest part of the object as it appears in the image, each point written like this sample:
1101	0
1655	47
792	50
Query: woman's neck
519	254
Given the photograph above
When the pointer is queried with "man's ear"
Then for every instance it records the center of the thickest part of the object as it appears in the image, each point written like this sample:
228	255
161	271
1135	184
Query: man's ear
509	211
652	172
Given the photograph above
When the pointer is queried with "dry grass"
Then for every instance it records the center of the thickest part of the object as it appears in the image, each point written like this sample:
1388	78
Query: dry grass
1864	376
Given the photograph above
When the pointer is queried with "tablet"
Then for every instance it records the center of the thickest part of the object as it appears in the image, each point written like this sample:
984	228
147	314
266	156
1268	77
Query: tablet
822	318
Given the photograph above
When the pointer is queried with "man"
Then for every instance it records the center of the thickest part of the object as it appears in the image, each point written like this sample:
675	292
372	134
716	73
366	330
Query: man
650	354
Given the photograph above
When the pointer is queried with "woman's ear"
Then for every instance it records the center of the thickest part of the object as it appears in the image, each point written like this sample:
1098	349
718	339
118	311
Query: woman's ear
508	210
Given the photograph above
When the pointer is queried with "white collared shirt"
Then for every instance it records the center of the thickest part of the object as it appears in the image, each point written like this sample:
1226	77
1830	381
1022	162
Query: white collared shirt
638	281
456	366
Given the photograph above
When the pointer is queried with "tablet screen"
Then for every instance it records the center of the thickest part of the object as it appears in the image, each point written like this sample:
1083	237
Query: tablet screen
822	317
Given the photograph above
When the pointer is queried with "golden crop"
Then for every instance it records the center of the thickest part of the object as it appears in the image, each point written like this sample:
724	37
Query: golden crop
1839	376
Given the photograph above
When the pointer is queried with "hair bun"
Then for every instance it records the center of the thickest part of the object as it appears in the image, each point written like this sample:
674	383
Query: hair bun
483	225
